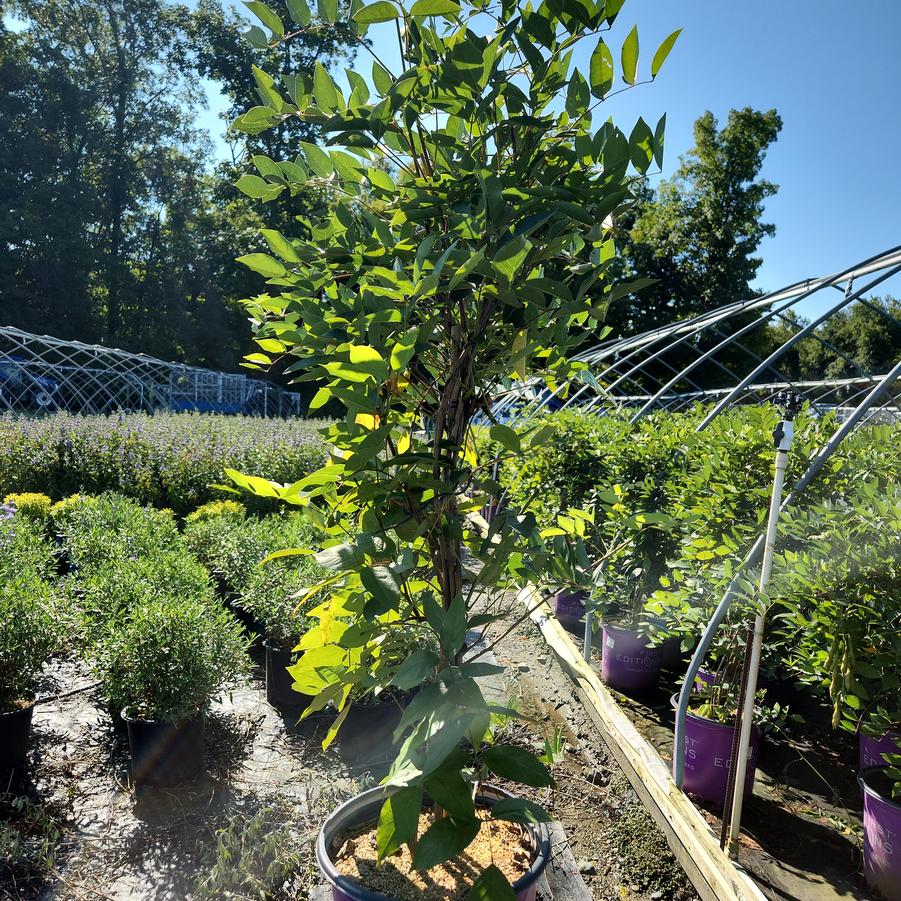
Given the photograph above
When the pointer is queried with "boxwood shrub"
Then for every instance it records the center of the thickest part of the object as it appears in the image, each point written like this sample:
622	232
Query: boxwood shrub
169	657
30	633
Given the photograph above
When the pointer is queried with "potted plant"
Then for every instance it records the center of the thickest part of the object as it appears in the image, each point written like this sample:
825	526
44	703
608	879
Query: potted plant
29	633
881	787
840	621
271	599
161	665
625	577
466	249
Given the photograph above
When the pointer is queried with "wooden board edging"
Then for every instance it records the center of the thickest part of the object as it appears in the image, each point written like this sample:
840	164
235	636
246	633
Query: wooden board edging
715	876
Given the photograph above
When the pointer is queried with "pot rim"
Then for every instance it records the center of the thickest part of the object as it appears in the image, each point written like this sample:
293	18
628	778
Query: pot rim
868	789
28	705
358	892
198	714
674	701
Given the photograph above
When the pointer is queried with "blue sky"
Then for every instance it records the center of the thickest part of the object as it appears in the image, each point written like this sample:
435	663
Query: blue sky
832	70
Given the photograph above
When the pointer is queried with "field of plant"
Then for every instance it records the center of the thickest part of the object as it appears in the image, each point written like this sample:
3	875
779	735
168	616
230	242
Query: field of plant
169	460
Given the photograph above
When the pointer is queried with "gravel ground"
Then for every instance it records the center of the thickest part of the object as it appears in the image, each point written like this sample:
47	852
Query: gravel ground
84	833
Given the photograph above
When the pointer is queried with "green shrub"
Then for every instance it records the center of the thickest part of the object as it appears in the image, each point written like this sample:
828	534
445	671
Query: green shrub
96	529
168	657
117	586
232	549
271	595
24	548
166	460
29	634
257	857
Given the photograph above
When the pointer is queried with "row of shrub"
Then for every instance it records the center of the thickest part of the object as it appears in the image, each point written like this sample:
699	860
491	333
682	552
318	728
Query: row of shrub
168	460
140	599
675	510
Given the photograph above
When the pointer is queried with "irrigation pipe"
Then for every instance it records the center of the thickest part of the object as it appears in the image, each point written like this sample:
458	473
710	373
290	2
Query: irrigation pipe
751	559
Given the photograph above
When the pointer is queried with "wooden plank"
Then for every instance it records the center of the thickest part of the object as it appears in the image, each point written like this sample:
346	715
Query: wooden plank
564	881
714	875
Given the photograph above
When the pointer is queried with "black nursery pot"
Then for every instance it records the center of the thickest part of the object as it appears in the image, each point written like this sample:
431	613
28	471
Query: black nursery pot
368	730
163	753
15	734
279	681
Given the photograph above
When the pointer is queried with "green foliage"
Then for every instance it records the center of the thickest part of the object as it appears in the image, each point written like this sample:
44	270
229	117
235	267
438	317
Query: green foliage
255	857
24	549
169	460
29	836
168	657
697	235
466	249
837	591
233	550
111	526
29	633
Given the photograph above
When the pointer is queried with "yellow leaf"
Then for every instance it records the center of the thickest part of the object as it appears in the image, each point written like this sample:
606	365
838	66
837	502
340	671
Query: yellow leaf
367	420
518	354
403	444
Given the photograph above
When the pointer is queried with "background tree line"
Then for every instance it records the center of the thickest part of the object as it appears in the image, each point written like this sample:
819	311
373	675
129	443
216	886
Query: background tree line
118	225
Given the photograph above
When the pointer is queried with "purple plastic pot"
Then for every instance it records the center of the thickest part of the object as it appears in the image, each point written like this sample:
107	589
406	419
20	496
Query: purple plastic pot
881	833
708	748
569	606
627	663
704	680
363	810
872	749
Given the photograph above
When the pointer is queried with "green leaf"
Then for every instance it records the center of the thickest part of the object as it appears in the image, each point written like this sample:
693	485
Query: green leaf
381	78
258	188
418	667
317	159
447	788
663	52
256	37
434	8
492	885
641	146
380	11
256	120
659	133
403	350
280	245
266	16
506	437
325	92
328	10
398	821
264	264
509	259
629	56
600	70
517	764
453	631
444	840
299	11
519	810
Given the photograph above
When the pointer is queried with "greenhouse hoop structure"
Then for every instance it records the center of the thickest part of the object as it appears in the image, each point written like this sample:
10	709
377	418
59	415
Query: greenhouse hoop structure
41	374
710	358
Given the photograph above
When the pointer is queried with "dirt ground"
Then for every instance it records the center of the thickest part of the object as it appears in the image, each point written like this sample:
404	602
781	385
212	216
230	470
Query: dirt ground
801	829
248	826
